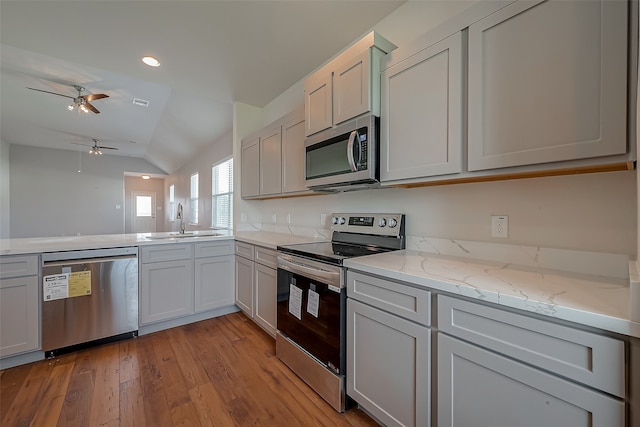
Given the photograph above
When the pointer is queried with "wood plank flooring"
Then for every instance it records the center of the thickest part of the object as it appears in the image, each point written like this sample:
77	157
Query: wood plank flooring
218	372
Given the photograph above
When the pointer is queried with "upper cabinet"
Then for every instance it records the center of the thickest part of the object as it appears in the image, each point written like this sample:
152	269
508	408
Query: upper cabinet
347	86
508	90
272	160
421	118
547	83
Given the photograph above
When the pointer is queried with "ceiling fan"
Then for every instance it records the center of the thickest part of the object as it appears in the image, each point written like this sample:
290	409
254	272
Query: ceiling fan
95	148
81	101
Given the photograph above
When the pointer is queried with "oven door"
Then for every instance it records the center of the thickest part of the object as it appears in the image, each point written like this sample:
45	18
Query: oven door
311	302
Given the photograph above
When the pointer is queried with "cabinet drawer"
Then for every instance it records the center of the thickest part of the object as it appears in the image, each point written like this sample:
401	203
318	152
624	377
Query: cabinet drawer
217	248
586	357
411	303
160	253
244	250
266	257
16	266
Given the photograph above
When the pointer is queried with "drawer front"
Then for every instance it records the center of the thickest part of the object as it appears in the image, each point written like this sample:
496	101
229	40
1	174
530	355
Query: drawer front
586	357
244	250
266	257
406	301
16	266
218	248
159	253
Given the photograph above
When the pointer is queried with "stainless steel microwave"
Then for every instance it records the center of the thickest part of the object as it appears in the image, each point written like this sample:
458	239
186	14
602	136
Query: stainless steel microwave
345	157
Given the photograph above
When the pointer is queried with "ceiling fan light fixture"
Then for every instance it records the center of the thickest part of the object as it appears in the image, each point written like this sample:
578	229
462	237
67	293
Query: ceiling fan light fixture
70	107
151	61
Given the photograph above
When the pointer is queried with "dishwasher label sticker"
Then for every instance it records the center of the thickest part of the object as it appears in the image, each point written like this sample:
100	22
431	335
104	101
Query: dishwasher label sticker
80	283
55	287
313	303
295	301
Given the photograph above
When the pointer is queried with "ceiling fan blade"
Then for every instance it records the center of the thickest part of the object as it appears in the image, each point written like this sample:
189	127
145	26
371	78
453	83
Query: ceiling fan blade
79	143
92	108
52	93
107	148
94	96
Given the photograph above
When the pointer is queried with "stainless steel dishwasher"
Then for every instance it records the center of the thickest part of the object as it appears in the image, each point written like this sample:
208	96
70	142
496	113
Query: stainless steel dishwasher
88	297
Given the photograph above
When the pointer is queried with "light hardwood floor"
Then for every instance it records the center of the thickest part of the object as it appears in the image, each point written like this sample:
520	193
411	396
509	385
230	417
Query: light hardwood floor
218	372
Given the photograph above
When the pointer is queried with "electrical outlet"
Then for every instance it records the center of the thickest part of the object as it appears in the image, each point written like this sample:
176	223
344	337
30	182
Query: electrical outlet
323	218
289	218
499	226
274	217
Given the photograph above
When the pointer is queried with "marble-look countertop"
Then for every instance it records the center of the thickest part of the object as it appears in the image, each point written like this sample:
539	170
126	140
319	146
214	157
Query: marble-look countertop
272	240
591	300
36	245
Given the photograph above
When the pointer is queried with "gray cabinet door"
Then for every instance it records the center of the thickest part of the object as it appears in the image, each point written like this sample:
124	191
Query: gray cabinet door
250	167
388	365
166	290
293	154
214	284
271	161
19	318
244	285
265	298
547	83
318	104
421	119
479	388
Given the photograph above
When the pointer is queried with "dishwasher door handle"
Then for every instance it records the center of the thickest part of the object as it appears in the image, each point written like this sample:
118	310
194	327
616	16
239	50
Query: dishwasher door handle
86	260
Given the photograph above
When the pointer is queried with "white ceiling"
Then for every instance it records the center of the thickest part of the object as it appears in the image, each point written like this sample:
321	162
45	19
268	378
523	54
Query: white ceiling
212	53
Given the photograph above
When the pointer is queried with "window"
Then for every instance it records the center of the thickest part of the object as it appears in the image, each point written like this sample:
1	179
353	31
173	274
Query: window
194	198
172	202
222	197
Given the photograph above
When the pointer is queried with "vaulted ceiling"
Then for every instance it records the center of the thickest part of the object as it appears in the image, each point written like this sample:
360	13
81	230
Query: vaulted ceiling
212	54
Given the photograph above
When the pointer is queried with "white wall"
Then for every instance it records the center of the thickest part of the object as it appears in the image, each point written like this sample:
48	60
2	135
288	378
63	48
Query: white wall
5	201
202	163
589	212
49	197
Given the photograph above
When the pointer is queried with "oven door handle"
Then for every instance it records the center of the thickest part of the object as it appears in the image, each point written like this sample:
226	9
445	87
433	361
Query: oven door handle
325	276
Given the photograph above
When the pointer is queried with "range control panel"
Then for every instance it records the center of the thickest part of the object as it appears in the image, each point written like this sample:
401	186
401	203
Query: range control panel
376	224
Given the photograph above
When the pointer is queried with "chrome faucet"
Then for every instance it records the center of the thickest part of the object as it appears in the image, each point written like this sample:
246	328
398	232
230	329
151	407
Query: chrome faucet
180	216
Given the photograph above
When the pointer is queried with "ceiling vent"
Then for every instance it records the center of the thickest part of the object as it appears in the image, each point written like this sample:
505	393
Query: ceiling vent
140	102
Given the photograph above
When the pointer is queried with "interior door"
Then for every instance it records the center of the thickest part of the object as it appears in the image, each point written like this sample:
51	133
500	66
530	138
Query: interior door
144	212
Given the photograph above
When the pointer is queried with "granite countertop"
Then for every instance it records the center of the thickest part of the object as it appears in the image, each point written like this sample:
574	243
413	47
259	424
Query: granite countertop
36	245
591	300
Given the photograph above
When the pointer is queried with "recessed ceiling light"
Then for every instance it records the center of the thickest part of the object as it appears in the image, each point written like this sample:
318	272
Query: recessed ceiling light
145	177
151	61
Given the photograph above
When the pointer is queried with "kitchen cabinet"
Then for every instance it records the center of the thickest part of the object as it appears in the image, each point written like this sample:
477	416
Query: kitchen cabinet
19	302
536	372
547	83
273	159
244	278
347	86
505	90
422	113
178	280
166	282
214	280
256	284
293	153
388	349
250	167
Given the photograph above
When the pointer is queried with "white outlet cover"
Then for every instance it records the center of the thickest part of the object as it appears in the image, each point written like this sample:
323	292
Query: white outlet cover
499	226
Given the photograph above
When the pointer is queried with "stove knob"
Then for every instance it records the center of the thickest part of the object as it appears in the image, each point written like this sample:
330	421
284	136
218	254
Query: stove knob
382	222
334	220
392	222
341	220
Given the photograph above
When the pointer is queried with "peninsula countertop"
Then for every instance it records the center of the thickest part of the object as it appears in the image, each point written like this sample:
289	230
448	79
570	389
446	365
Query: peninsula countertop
595	301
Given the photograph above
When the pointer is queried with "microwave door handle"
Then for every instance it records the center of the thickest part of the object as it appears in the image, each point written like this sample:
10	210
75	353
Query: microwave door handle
352	140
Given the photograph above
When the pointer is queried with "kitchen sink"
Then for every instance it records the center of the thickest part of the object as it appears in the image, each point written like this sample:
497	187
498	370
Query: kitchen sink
182	236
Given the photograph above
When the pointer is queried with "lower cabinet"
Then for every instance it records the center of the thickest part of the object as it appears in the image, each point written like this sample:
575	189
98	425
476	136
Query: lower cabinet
19	302
178	280
388	356
498	368
256	284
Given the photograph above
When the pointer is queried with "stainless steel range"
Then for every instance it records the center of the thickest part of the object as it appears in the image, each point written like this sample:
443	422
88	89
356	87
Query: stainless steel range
312	296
